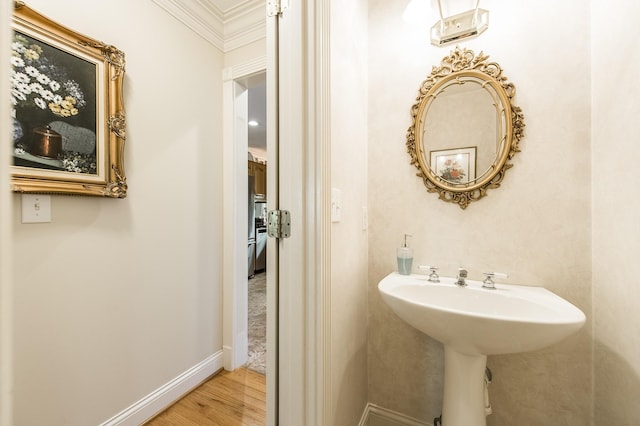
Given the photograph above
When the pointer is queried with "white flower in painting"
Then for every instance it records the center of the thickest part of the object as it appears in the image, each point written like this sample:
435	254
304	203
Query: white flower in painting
18	47
47	94
36	87
40	103
23	88
75	92
31	71
39	82
43	79
19	96
17	62
19	78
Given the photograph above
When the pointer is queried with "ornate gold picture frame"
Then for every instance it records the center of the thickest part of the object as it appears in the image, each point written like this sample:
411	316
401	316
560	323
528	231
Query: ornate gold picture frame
67	107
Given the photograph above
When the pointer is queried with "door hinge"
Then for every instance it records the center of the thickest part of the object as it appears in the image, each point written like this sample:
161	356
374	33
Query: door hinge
279	224
276	7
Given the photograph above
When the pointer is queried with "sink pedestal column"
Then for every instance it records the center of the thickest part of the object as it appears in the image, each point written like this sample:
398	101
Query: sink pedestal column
463	400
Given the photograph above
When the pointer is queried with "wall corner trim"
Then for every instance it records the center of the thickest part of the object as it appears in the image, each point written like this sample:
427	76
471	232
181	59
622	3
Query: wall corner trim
158	400
372	411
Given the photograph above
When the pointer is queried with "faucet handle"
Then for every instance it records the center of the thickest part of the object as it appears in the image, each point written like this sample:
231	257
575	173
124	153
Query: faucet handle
488	281
433	276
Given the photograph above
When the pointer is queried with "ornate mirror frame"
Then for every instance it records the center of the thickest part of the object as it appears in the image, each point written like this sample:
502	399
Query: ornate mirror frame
463	64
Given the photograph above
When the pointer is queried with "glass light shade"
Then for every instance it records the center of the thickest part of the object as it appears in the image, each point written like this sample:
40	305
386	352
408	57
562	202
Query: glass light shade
457	27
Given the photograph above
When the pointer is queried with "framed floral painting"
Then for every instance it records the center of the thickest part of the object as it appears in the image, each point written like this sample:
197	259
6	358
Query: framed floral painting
456	166
67	110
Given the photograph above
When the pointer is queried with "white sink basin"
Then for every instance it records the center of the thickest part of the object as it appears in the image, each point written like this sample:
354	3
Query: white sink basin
473	322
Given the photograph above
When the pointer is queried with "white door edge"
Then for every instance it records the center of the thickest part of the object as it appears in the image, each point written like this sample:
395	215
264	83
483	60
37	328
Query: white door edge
304	385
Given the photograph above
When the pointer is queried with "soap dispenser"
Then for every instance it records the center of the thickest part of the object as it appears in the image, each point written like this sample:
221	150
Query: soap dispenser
405	257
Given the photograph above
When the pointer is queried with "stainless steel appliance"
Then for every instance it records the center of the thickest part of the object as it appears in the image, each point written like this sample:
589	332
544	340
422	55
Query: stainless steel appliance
261	234
261	248
251	229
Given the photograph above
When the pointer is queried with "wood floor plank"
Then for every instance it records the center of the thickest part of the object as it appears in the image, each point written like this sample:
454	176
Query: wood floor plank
228	399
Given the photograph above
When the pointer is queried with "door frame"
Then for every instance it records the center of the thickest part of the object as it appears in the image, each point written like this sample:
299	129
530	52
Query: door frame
234	201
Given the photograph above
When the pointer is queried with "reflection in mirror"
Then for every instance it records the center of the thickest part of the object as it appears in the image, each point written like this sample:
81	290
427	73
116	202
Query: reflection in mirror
477	113
464	128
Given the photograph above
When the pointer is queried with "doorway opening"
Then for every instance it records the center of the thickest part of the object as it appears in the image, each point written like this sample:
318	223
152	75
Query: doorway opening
257	223
239	238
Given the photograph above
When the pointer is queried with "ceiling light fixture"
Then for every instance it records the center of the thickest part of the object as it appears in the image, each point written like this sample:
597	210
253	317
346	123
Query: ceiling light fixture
253	123
457	27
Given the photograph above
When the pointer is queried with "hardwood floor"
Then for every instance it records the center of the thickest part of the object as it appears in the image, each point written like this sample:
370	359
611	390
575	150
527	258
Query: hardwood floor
227	399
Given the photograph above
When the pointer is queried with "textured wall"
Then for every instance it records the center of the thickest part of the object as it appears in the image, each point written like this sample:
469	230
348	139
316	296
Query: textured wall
536	227
348	240
616	231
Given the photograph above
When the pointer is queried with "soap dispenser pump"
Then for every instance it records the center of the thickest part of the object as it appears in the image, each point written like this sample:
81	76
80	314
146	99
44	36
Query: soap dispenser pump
405	257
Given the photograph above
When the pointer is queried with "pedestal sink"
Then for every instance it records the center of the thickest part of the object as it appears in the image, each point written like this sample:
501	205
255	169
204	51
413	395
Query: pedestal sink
473	322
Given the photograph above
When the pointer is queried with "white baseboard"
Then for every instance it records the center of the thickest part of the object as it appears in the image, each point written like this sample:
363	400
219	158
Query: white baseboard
378	416
233	359
161	398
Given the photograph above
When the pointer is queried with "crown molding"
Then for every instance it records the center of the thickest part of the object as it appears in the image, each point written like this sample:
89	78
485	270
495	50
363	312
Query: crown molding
226	30
203	18
245	24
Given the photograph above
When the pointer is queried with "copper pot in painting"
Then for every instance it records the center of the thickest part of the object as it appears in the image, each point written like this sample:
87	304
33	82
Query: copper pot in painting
45	142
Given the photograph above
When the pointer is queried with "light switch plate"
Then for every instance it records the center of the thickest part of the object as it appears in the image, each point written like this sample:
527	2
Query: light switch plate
36	208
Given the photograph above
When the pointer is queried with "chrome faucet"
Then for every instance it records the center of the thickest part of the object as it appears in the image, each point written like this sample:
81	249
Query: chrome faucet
433	275
462	275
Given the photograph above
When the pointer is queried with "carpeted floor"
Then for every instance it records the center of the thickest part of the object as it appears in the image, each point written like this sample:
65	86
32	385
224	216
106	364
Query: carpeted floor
258	323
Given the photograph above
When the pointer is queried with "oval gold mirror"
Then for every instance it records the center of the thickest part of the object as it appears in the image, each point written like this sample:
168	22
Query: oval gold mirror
464	127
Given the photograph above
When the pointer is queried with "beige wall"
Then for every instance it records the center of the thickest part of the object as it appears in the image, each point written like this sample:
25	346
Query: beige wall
114	298
348	239
536	227
246	53
6	225
616	231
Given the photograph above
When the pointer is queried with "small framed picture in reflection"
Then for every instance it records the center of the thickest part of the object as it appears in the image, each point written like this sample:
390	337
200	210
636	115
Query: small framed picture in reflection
456	166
